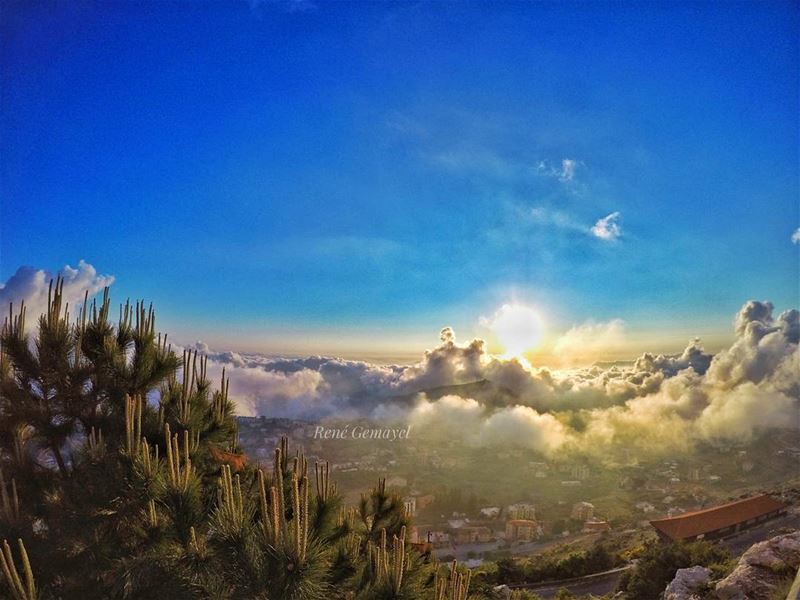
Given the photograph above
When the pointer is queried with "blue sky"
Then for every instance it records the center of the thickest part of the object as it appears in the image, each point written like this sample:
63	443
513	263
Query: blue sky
290	176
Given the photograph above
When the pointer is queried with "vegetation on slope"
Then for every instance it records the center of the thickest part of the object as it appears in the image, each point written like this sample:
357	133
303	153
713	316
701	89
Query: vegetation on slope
121	477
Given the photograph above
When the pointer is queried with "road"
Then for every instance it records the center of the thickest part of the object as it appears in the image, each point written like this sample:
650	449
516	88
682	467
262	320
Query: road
598	584
737	545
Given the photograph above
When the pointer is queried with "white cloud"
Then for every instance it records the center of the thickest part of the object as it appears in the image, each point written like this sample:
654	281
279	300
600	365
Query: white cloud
796	236
657	403
564	172
568	167
591	338
31	285
477	425
607	228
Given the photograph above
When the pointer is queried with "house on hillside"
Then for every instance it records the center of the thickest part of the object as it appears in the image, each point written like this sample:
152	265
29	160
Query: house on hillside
397	482
720	521
596	526
582	511
522	530
472	535
490	512
521	510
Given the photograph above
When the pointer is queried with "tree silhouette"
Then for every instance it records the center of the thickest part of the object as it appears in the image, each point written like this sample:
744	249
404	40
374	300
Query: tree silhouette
121	477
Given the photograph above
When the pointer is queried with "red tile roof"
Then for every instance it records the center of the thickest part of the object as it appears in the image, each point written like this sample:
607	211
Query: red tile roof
698	522
235	461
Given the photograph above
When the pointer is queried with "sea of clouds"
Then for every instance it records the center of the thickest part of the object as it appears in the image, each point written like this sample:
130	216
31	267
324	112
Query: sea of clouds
657	403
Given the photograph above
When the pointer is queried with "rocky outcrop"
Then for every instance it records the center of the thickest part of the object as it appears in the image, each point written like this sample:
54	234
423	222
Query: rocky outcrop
762	569
688	584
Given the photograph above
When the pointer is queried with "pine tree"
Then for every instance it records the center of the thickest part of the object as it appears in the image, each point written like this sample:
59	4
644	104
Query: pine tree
121	477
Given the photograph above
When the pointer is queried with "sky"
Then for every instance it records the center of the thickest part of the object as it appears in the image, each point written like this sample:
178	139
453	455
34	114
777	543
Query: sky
350	177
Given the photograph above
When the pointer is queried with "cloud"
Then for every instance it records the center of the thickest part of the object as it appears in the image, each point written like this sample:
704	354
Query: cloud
608	228
568	167
657	403
564	172
31	285
590	339
693	356
796	236
761	346
477	425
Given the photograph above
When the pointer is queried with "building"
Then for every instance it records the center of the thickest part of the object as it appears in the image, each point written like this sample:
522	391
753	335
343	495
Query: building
719	521
478	534
582	511
235	461
438	538
579	472
522	530
398	482
595	526
521	510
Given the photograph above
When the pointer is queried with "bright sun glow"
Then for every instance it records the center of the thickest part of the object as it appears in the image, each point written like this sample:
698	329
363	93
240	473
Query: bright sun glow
517	327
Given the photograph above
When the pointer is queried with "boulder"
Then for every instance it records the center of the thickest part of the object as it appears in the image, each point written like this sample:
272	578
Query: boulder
762	569
688	584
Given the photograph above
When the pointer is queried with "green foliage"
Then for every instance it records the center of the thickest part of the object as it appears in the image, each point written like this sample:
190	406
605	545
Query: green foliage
551	566
121	472
659	562
524	595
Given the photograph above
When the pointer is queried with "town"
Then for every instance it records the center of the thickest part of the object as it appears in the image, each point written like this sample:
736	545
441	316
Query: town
478	504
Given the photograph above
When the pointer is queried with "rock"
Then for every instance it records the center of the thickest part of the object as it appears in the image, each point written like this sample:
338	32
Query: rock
762	569
687	584
502	592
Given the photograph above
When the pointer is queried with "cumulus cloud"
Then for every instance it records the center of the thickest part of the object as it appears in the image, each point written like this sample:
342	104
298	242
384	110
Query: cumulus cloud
761	346
653	404
796	236
693	356
608	228
31	285
478	425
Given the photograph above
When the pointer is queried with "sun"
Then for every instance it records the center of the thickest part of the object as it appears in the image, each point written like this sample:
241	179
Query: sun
518	328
